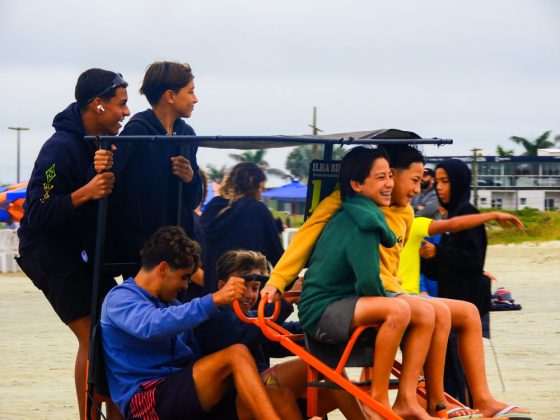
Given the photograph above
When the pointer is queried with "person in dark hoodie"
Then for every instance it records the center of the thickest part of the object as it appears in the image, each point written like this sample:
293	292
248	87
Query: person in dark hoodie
57	233
149	175
457	262
238	220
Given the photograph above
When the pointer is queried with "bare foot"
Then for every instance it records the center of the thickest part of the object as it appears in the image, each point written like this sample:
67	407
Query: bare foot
493	407
412	412
370	414
465	411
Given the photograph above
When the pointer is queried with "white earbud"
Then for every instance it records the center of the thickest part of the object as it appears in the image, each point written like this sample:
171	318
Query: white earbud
100	107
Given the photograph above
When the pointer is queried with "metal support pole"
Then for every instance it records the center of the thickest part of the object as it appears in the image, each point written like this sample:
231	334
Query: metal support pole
475	176
19	130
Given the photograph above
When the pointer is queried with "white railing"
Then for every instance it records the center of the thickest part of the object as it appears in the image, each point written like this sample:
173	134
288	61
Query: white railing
287	235
8	250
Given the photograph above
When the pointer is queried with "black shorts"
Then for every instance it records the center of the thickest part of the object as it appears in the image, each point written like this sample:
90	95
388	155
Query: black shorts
64	278
334	324
176	398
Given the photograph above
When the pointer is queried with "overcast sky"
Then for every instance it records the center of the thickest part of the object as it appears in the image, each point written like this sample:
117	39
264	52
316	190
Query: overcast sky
475	71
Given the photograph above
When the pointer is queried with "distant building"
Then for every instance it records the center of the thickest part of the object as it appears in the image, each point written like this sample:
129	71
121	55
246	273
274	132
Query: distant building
513	183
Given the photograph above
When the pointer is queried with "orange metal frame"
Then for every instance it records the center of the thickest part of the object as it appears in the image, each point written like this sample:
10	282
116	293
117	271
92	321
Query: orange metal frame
275	332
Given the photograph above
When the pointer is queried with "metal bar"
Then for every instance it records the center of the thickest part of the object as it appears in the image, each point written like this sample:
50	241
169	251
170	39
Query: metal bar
97	271
274	141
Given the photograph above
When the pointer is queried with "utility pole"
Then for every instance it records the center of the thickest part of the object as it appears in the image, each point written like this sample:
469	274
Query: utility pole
316	130
475	175
19	130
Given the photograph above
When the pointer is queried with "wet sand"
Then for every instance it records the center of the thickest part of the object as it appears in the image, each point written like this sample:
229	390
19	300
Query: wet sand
37	351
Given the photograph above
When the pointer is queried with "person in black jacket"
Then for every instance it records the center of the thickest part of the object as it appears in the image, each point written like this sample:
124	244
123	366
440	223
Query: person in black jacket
238	220
57	232
149	175
458	261
226	329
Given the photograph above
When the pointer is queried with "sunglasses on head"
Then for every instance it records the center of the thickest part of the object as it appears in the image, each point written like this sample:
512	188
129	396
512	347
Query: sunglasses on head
117	81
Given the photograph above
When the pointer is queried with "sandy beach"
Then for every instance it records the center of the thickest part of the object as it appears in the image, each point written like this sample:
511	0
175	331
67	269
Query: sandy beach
37	350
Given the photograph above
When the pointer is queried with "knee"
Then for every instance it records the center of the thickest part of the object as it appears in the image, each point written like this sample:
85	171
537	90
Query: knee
399	314
442	317
237	352
467	316
424	316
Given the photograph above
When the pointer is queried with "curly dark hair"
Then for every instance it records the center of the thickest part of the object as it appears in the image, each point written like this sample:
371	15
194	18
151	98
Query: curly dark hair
172	245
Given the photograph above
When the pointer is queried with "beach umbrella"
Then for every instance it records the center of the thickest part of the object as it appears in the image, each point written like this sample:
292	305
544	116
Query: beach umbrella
13	195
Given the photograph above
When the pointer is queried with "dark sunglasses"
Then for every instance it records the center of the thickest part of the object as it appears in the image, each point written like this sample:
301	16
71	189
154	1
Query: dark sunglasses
117	81
253	277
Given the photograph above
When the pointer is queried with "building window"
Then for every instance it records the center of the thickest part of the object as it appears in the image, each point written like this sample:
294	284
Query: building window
497	203
482	201
523	201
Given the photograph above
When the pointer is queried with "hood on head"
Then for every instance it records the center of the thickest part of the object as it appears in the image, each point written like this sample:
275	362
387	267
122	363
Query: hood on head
460	179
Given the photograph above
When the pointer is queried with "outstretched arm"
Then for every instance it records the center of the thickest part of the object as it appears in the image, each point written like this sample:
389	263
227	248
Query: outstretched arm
469	221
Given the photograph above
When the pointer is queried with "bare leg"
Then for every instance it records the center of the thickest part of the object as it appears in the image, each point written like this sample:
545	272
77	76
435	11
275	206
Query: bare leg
293	375
466	321
394	316
80	328
212	375
415	351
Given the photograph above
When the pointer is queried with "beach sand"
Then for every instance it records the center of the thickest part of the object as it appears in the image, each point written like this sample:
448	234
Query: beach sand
37	351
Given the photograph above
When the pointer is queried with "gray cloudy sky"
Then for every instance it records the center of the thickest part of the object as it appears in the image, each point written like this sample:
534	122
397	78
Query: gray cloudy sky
476	71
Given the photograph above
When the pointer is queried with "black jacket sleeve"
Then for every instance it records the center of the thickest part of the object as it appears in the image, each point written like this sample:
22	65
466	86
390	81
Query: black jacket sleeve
458	252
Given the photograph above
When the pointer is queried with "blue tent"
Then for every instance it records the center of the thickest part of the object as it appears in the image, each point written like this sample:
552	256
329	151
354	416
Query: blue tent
294	191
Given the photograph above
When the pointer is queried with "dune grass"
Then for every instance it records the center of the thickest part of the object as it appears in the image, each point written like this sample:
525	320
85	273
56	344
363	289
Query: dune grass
540	226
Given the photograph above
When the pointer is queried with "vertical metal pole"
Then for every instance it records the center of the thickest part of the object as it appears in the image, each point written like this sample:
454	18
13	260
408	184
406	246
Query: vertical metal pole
315	131
17	178
97	273
475	176
19	130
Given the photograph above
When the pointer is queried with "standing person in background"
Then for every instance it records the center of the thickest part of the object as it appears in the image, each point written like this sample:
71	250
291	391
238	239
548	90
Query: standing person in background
426	203
57	233
457	262
237	219
149	175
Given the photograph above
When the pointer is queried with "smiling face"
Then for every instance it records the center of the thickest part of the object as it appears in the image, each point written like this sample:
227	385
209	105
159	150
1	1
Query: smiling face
252	288
183	101
378	184
407	184
115	111
443	186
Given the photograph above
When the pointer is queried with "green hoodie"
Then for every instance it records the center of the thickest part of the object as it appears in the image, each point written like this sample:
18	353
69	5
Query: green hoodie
345	261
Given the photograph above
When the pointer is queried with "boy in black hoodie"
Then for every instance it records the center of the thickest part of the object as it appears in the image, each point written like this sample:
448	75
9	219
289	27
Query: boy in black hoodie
57	232
149	175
